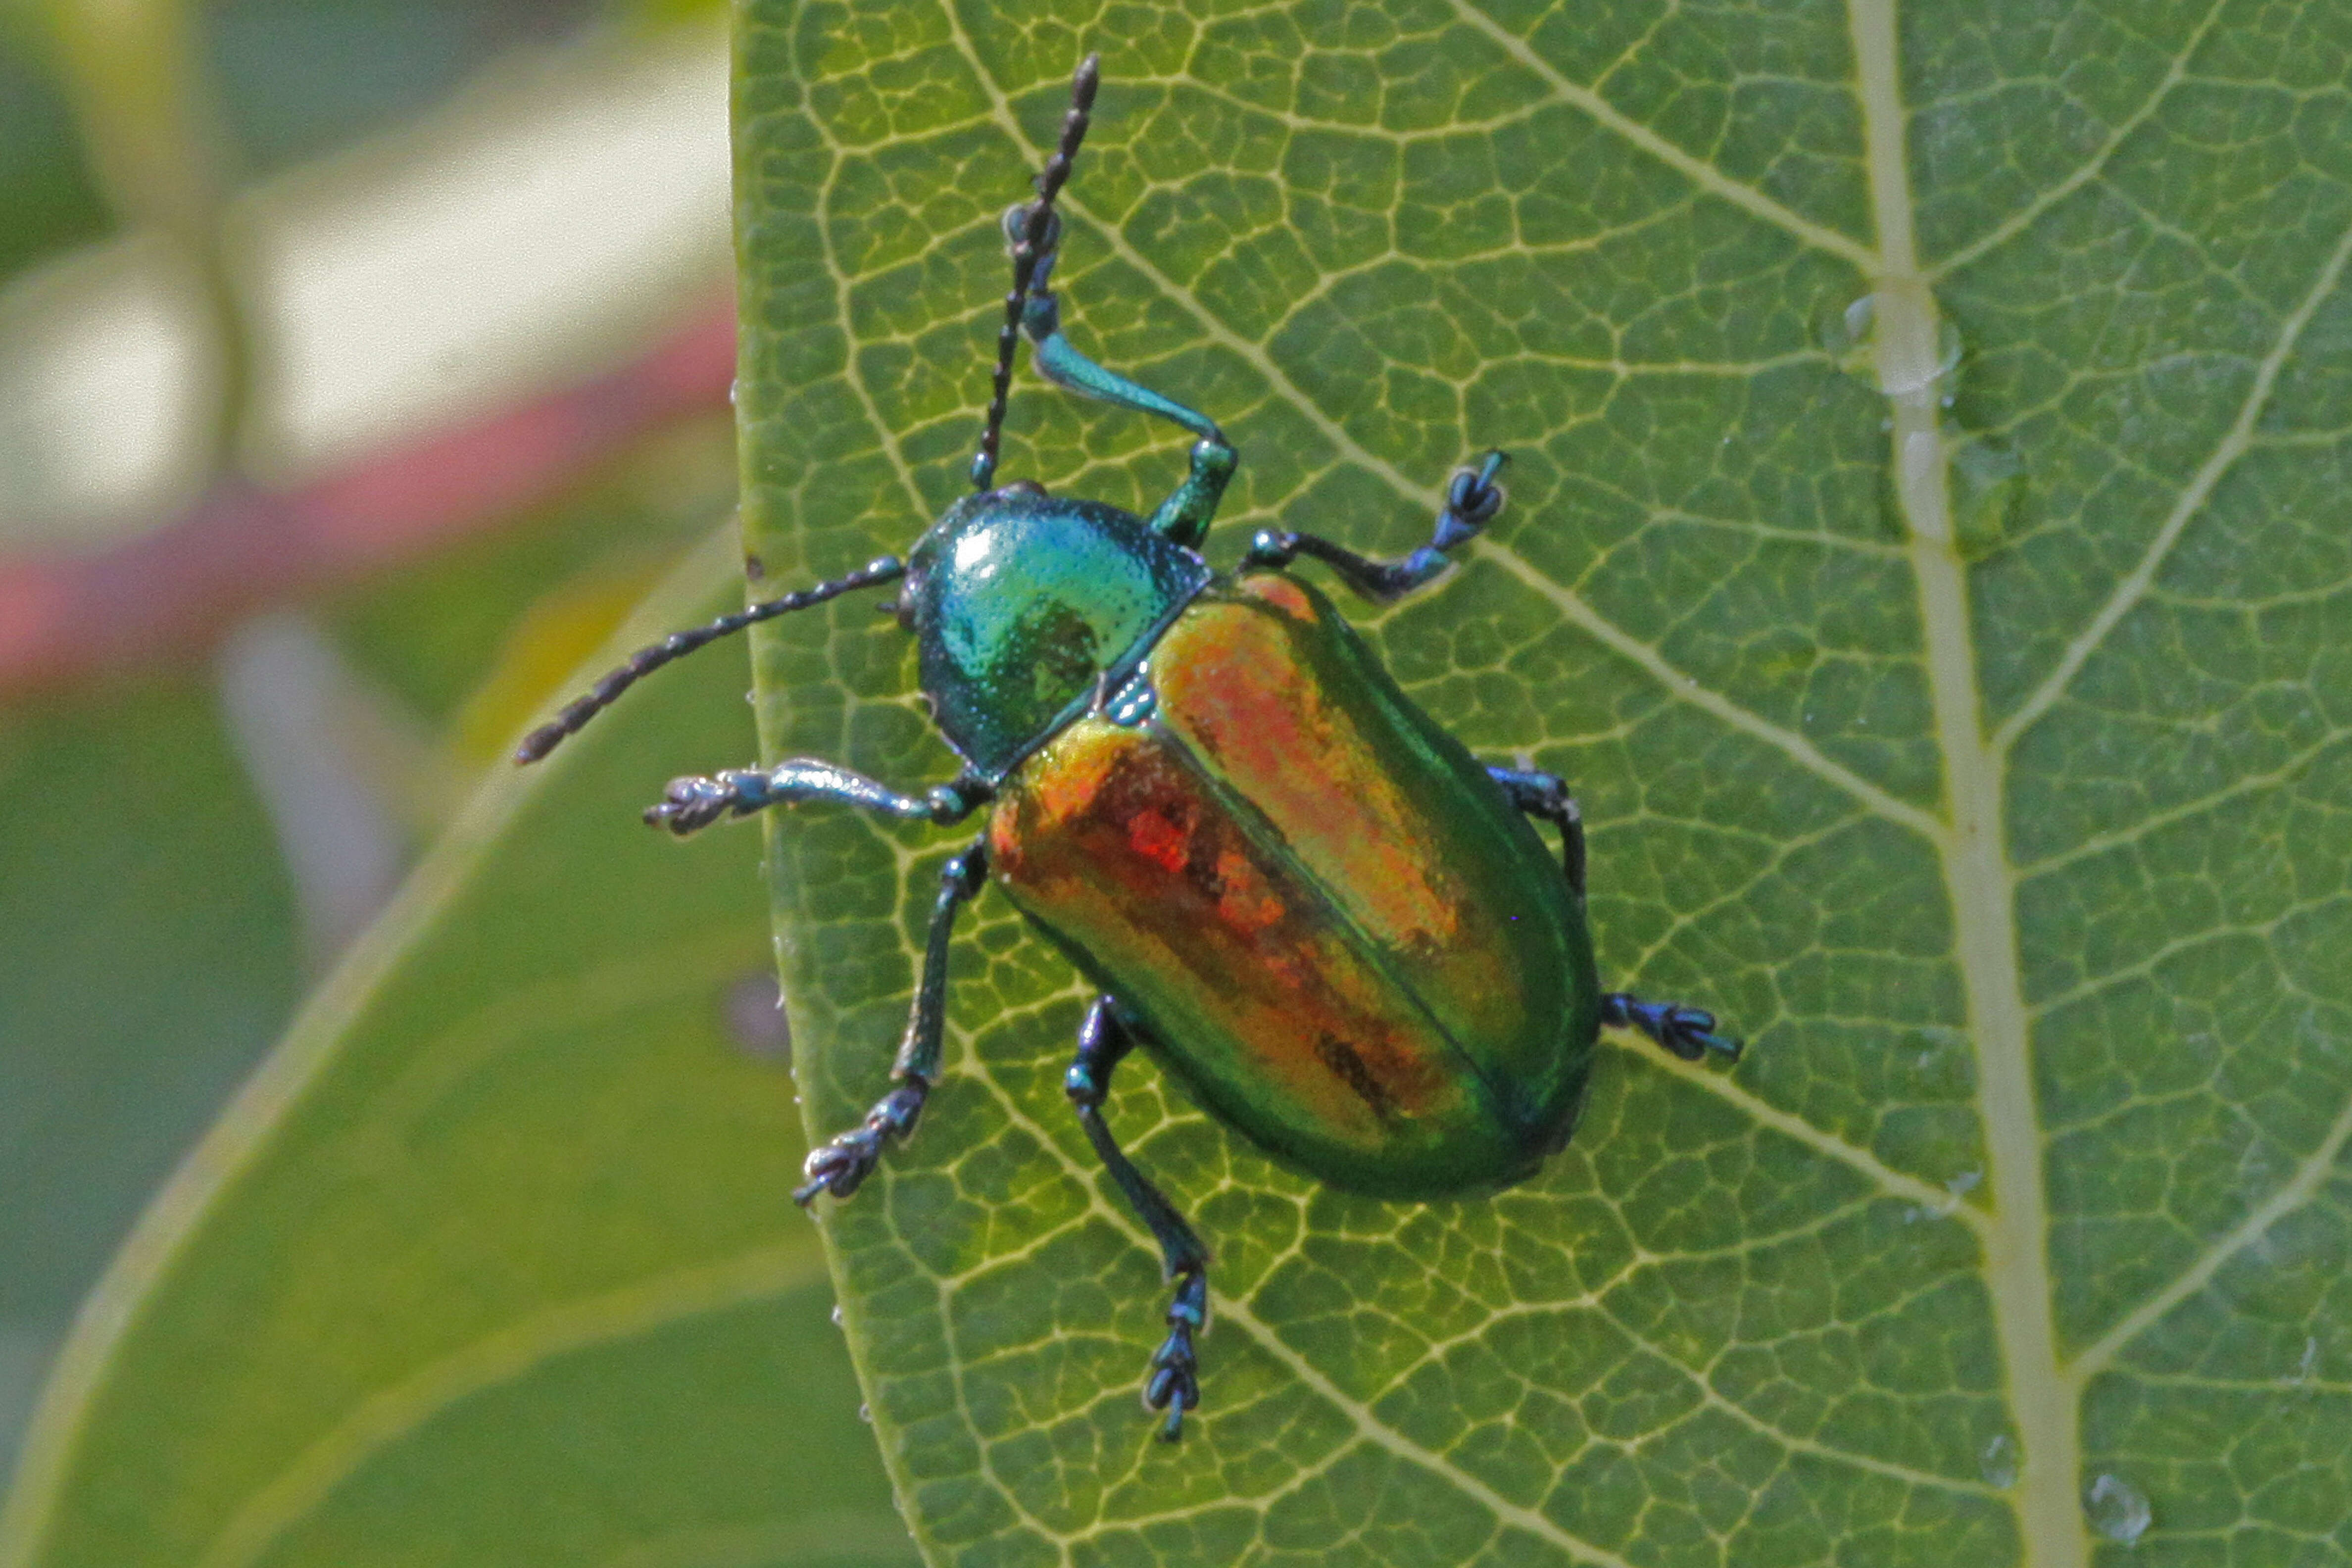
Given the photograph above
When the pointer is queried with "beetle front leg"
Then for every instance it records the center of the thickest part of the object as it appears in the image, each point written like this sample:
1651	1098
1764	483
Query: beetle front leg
845	1162
1184	517
1545	798
1472	500
1685	1032
1175	1385
693	802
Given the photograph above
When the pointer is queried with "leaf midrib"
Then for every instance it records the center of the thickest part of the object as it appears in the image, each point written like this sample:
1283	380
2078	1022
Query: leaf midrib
1977	876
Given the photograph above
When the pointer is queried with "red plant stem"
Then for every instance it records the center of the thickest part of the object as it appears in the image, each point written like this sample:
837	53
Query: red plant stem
70	618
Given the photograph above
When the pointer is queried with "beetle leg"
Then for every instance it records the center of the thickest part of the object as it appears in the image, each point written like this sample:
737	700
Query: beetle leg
1175	1385
842	1164
693	802
1545	796
1472	500
1686	1032
1186	515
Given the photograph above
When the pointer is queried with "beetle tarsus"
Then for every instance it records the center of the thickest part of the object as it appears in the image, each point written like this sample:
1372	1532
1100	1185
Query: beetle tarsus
1685	1032
1174	1384
1472	501
842	1166
693	803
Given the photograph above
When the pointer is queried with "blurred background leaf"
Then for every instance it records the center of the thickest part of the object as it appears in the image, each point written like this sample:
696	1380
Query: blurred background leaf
481	425
493	1261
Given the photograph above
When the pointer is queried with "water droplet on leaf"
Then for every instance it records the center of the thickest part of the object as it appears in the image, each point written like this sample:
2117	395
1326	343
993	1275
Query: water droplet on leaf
2116	1511
1849	336
1988	487
1998	1463
1844	336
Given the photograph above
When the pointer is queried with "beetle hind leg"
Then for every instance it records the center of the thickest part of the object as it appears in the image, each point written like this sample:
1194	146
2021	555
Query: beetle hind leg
1174	1382
1685	1032
1472	501
843	1164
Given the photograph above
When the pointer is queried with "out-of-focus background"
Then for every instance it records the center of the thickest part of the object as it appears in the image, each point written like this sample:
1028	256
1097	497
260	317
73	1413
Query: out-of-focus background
360	362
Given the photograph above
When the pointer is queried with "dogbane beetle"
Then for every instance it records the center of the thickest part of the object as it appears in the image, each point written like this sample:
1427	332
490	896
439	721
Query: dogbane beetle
1339	932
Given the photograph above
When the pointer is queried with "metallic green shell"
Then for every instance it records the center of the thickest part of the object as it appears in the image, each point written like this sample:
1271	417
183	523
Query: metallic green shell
1326	917
1024	604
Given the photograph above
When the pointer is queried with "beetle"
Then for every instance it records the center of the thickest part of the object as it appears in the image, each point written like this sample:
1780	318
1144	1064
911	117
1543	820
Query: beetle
1286	882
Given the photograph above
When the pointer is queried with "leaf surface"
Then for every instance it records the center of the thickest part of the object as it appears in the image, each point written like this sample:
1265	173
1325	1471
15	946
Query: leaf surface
493	1262
1925	559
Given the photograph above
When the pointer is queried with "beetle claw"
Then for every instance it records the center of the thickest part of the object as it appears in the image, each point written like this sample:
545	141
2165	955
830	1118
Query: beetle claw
841	1166
1175	1383
1689	1033
692	804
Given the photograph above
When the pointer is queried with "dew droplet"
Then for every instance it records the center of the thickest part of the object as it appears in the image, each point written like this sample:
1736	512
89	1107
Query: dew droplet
2116	1511
1998	1463
1941	372
865	1414
1988	487
836	1314
1844	336
1849	337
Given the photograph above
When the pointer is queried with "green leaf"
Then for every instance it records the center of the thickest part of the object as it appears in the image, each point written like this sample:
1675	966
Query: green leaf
1925	557
493	1262
106	953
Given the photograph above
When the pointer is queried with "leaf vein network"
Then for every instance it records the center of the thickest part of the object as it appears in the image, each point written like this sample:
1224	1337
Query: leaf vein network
1697	171
2300	1188
2090	168
2233	445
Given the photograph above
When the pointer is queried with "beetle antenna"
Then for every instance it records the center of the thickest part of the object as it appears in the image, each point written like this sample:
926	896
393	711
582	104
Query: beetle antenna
1032	230
677	645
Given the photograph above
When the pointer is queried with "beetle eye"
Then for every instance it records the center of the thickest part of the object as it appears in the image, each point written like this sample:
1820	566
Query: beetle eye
1019	488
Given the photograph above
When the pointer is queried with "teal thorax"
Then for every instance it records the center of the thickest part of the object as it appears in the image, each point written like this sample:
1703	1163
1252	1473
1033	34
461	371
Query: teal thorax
1028	607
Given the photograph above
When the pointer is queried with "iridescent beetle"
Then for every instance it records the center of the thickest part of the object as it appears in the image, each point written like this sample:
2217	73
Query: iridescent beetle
1339	932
